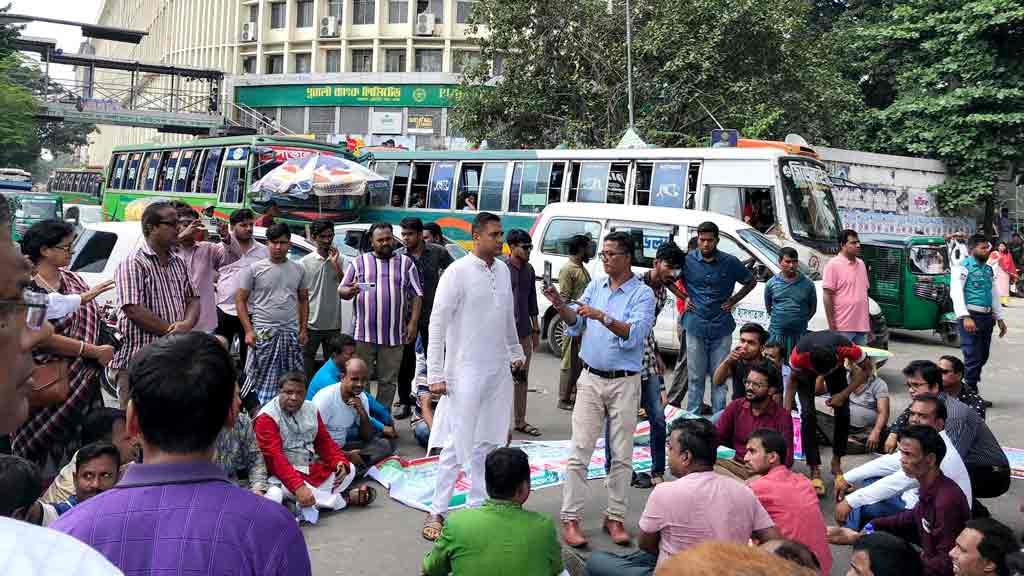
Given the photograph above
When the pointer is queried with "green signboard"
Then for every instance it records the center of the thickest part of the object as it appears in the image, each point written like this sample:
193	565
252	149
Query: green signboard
428	96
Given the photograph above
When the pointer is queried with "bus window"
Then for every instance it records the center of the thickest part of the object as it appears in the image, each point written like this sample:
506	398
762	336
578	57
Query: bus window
589	181
617	183
492	186
668	185
211	171
233	185
170	162
117	173
642	184
132	174
758	209
724	200
421	186
152	170
94	185
195	176
400	185
441	184
387	170
561	230
469	185
181	178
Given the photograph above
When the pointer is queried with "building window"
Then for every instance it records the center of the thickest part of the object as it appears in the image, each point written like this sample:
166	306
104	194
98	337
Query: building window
334	8
429	60
362	11
275	64
398	11
254	14
302	63
304	16
294	119
334	61
248	64
464	12
435	7
394	60
362	60
354	120
462	59
277	15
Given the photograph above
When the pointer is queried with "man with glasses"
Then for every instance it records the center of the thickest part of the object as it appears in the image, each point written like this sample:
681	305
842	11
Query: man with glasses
952	369
615	316
524	297
273	306
154	290
323	275
755	411
710	276
204	259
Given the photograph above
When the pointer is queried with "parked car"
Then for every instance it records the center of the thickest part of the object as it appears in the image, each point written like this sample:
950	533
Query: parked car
650	227
80	214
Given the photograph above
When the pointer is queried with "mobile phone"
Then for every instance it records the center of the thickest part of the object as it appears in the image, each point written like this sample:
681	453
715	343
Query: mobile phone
547	274
366	285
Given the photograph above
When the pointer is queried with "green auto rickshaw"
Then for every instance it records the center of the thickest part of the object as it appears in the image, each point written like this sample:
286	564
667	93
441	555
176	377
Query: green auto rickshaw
909	277
31	207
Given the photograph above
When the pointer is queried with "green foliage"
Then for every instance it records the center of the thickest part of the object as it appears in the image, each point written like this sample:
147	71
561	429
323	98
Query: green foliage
757	65
944	79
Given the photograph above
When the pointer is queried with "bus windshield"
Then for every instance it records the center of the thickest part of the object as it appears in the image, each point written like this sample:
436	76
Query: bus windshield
807	190
770	251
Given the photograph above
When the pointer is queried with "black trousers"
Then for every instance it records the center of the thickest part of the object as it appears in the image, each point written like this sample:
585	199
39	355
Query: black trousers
230	327
407	371
835	382
989	481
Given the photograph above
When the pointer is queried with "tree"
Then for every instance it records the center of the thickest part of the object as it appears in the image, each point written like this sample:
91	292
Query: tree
944	79
756	65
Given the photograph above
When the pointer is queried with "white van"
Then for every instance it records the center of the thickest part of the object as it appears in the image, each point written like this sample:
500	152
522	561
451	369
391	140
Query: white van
650	227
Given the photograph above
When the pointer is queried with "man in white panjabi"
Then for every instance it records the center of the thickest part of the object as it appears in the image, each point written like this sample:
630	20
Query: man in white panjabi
474	319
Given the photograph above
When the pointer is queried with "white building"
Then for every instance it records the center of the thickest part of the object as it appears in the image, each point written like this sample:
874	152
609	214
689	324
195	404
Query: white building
377	69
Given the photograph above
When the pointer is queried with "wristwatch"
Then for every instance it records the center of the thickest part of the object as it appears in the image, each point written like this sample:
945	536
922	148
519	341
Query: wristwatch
607	320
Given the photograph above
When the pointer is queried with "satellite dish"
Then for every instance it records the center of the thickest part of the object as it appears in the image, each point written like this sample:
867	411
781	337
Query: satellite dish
796	140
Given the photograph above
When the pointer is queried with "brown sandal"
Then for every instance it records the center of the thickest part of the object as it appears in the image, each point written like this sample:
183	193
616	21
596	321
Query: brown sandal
432	527
361	497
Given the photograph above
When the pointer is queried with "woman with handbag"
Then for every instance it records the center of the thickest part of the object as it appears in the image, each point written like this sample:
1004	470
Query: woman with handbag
67	364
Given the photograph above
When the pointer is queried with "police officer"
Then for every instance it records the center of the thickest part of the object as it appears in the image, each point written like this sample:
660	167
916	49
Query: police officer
976	304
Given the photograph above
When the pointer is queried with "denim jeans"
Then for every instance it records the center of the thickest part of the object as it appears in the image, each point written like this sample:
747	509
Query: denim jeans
422	433
863	514
858	338
638	563
976	347
650	399
703	356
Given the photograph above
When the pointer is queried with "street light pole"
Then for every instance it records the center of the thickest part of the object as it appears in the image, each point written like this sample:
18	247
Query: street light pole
629	61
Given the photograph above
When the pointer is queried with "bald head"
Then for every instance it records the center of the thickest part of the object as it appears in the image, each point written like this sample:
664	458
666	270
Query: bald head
356	377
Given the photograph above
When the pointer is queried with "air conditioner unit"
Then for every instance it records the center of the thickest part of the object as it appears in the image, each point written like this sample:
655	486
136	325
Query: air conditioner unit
328	27
249	32
425	24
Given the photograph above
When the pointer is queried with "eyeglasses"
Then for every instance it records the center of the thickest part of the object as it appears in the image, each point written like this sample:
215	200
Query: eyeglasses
605	255
754	383
33	303
63	248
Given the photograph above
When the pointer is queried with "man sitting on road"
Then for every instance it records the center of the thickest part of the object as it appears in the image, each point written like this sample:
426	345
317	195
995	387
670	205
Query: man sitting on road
106	425
426	401
96	470
939	516
735	366
986	462
869	415
884	487
343	347
698	506
304	462
981	549
238	453
743	417
788	497
498	537
952	369
359	425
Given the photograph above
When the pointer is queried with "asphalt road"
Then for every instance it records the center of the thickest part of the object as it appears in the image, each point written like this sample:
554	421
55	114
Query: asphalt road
384	539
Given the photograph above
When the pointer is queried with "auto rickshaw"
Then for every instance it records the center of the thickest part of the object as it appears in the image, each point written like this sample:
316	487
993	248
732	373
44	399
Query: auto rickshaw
909	278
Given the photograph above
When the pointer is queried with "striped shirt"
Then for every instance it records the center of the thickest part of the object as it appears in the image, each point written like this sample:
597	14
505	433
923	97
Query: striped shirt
163	290
380	311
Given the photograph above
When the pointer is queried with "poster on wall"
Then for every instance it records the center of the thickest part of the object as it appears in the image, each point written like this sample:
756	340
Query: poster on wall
441	185
668	184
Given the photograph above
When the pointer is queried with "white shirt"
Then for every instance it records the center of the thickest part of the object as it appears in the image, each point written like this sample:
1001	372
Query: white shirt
893	481
29	550
957	279
338	417
58	305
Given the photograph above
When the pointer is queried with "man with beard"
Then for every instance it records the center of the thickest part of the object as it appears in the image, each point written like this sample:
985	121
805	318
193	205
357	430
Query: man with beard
977	307
228	324
750	350
755	411
386	286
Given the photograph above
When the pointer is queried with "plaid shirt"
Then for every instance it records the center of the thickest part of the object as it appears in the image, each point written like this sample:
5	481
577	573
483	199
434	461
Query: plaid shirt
163	290
650	345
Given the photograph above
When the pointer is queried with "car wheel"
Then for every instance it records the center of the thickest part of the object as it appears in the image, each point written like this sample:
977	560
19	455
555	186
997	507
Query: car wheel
556	335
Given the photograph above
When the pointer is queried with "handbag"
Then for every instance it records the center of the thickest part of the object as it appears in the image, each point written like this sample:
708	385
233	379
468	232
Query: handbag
50	384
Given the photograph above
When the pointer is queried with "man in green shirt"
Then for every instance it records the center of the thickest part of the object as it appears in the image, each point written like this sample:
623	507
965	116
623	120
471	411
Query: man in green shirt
499	538
572	280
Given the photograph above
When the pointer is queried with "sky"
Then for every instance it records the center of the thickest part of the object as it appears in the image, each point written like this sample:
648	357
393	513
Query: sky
68	37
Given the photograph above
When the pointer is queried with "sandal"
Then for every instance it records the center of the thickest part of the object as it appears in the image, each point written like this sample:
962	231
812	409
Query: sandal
362	496
432	527
819	487
655	480
528	429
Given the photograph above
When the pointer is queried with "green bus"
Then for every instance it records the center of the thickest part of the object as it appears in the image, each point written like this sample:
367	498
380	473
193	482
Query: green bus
78	185
216	173
782	189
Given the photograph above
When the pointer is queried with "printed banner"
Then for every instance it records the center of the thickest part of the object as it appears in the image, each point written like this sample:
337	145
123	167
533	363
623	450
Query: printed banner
1016	458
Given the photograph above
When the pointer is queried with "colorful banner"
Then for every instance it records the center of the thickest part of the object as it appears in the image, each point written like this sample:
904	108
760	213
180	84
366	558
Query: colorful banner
1016	458
428	96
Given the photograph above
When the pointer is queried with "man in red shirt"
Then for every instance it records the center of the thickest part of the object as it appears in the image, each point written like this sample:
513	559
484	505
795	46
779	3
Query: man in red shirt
788	497
742	417
304	462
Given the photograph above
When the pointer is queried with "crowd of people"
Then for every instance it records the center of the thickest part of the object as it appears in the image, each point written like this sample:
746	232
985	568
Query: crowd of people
195	462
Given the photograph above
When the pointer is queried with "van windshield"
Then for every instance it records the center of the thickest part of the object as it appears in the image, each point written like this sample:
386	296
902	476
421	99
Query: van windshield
807	190
770	250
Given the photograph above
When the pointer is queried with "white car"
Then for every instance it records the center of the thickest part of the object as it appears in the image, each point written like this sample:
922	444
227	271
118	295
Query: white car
81	214
650	227
99	248
351	240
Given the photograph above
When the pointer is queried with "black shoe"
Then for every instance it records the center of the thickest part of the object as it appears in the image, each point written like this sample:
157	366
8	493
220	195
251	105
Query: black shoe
403	412
642	480
987	403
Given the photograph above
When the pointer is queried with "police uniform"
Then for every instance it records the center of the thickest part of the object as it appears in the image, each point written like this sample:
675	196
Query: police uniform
975	296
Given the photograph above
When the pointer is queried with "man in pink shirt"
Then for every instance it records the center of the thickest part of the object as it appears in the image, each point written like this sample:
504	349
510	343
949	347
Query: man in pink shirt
788	497
203	260
700	505
845	287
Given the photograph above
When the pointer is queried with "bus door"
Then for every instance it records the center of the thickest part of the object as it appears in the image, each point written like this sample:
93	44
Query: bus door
233	176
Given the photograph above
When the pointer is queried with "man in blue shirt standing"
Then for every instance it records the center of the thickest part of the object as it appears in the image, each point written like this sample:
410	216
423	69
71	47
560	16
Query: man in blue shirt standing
615	315
710	276
791	301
